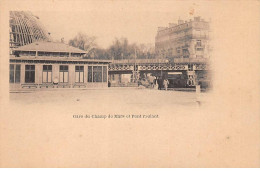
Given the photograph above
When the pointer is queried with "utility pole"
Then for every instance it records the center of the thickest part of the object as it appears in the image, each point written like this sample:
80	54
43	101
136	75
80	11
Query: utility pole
135	60
135	67
135	72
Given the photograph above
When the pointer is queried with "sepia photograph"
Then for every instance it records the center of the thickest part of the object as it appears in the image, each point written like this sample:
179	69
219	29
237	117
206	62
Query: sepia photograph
177	62
130	84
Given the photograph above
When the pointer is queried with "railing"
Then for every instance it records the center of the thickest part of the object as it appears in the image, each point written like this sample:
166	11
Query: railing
162	61
139	61
190	60
57	58
125	61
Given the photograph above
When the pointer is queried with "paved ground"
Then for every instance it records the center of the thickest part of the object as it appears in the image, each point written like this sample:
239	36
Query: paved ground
110	101
39	130
134	98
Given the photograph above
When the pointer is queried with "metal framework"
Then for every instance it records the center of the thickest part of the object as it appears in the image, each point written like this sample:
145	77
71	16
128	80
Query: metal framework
25	28
151	65
186	66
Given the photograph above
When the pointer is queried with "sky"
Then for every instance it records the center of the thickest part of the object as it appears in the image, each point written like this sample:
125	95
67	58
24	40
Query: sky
136	20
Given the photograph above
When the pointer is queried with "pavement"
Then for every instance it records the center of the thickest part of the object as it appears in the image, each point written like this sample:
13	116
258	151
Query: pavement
114	97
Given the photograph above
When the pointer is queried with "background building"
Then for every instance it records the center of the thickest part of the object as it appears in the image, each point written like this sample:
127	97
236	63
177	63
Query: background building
187	39
186	43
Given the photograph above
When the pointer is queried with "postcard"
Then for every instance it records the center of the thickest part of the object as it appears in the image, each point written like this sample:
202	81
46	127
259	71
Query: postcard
129	84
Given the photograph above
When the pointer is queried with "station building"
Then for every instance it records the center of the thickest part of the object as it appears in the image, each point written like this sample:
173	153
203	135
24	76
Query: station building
47	64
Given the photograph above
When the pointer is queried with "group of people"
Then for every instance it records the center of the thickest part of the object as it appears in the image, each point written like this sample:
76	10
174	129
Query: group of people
160	83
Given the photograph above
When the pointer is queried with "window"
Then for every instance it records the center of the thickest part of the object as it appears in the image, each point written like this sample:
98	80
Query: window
90	74
190	67
41	53
64	54
75	54
198	43
199	49
178	50
29	73
79	70
196	33
15	72
64	73
56	54
185	51
28	53
104	74
47	74
11	78
32	53
97	73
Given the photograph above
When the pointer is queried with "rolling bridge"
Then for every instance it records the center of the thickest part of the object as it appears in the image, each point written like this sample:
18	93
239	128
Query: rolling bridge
190	67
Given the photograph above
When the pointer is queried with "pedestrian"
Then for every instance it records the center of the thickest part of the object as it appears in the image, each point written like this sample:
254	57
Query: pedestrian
155	84
166	83
159	84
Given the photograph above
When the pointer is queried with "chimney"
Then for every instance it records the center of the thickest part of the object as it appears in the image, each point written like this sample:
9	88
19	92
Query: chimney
172	25
180	21
161	28
49	37
196	18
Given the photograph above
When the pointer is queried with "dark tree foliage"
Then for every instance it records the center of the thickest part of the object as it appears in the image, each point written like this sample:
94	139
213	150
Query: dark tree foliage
120	49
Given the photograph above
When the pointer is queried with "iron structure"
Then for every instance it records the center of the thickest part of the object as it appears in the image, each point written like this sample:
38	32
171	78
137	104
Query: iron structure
25	28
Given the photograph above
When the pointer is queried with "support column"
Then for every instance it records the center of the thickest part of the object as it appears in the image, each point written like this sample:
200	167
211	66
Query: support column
119	78
40	69
22	79
38	74
136	76
85	73
55	72
102	76
105	84
191	78
71	74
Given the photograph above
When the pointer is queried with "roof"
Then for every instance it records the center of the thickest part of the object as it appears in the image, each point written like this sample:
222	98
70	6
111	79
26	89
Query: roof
46	46
57	59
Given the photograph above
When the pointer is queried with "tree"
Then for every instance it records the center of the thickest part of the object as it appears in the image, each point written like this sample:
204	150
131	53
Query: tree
102	54
121	49
84	42
146	51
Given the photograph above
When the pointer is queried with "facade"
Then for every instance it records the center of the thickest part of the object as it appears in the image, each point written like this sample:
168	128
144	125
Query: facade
55	65
187	39
186	43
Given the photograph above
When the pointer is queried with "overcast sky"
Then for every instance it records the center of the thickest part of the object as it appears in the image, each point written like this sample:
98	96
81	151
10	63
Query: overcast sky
137	21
